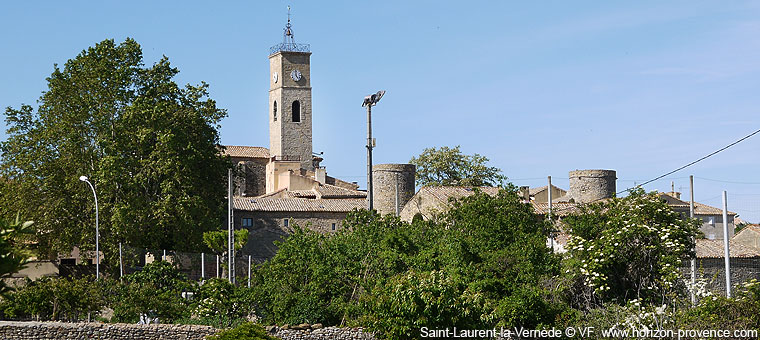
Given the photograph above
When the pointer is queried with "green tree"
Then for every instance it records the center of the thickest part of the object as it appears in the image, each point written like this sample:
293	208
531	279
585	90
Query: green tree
628	248
448	166
149	146
13	255
155	291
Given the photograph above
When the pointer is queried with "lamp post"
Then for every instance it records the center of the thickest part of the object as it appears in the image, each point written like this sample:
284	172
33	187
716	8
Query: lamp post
370	101
97	231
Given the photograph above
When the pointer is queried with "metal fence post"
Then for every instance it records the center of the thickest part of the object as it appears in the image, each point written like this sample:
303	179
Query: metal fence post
249	271
121	263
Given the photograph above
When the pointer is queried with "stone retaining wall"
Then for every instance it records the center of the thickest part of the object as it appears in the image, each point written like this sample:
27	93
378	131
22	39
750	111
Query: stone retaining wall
10	330
317	332
14	330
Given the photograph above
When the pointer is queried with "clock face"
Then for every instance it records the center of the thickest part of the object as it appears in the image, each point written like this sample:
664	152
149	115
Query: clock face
296	75
275	77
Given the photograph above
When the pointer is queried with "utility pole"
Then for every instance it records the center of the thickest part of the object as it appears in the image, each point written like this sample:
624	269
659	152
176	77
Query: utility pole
726	253
551	224
693	262
230	230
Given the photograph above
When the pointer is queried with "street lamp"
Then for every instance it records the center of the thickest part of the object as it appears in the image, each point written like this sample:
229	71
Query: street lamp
97	231
370	101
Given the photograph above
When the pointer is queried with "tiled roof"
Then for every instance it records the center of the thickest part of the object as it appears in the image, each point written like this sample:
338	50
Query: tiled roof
299	204
714	249
750	228
705	248
534	191
246	151
334	191
699	208
558	208
326	191
443	193
704	209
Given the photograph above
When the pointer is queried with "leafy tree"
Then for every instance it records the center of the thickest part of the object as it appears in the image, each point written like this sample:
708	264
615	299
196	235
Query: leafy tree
148	145
52	298
217	240
13	255
485	264
448	166
628	248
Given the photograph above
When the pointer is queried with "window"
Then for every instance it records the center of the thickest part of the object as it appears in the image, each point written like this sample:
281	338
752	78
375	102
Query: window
333	226
296	111
286	222
248	222
274	111
711	220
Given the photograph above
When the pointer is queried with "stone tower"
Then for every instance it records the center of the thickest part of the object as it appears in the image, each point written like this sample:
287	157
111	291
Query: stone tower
290	137
388	180
590	185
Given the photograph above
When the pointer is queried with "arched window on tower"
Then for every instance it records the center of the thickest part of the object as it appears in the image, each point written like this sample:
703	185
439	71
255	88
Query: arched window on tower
274	111
296	111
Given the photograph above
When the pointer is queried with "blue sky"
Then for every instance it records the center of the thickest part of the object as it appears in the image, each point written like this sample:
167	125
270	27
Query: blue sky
539	87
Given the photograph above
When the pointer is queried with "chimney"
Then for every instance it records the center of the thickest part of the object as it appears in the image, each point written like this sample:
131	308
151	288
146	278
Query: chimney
320	174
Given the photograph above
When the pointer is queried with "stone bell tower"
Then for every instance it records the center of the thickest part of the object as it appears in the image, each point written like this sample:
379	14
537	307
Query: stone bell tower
290	137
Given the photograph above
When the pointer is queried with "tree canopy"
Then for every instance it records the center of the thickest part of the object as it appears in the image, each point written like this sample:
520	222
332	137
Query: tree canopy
448	166
149	146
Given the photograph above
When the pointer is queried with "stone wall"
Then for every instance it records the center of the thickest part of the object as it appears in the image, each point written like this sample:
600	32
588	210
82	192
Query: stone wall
269	226
591	185
713	269
251	177
385	178
317	332
64	331
12	330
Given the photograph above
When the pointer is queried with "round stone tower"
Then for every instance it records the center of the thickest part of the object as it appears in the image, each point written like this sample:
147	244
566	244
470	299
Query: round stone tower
387	181
590	185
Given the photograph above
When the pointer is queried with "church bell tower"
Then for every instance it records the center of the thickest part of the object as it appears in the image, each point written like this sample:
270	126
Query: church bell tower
290	137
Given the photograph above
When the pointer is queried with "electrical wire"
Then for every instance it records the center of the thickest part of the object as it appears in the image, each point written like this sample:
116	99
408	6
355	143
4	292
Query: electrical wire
697	161
676	170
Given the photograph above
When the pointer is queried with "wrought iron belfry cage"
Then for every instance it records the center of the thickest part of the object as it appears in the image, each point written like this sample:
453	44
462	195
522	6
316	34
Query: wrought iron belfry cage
288	41
289	47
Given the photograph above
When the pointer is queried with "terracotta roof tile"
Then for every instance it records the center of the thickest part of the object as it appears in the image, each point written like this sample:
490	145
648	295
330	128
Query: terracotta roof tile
714	249
299	204
558	208
246	151
443	193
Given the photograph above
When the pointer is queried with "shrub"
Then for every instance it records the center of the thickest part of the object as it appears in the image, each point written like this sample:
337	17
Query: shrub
156	291
54	299
246	331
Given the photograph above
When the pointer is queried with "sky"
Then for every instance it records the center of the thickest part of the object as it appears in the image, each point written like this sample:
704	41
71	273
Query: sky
540	88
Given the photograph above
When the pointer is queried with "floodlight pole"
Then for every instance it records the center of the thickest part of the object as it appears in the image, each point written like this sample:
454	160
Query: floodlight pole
369	156
369	101
97	230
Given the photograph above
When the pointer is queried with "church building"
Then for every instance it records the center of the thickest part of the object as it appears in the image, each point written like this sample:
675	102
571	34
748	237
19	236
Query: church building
285	185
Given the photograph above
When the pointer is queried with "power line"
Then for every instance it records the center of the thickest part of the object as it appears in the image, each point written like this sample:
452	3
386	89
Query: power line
680	168
723	181
695	162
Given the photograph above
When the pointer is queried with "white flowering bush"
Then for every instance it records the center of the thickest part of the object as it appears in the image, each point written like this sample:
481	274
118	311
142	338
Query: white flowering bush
629	248
645	318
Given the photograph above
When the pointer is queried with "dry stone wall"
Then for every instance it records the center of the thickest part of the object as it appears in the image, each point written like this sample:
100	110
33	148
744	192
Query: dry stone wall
12	330
59	331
